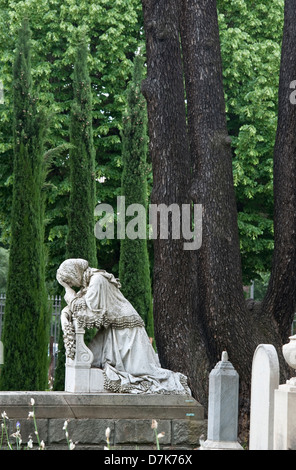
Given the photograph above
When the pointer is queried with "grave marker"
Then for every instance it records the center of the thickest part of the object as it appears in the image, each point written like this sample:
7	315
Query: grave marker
265	380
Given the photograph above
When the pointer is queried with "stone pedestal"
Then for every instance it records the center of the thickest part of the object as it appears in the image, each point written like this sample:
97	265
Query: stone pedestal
285	416
80	376
285	404
223	407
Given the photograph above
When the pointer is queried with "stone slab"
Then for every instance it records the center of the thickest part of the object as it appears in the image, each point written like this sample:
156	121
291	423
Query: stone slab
221	445
102	405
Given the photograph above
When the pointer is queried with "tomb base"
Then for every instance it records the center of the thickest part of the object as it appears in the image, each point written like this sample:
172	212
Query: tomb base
84	380
128	417
220	445
285	417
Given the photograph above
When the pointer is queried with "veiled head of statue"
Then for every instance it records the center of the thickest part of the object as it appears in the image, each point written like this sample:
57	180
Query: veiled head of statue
72	272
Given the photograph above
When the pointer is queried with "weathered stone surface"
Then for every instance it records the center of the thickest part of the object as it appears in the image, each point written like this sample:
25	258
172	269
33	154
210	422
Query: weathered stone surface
223	407
139	431
104	405
81	431
27	429
188	431
223	402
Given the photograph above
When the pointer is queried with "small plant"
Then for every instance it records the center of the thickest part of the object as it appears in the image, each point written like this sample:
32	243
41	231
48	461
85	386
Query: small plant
71	445
154	426
107	434
32	415
158	436
4	431
17	435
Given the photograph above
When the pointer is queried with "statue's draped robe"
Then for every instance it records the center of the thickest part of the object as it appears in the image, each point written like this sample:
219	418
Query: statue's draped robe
121	346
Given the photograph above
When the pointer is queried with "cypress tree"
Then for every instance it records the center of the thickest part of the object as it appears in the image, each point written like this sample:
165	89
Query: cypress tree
26	319
80	239
134	271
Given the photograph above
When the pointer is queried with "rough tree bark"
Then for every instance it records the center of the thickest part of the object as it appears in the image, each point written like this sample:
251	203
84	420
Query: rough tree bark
199	305
164	92
281	294
217	288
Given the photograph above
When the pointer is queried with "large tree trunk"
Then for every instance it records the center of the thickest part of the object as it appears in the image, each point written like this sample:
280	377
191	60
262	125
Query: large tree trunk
164	92
217	277
281	295
200	308
217	289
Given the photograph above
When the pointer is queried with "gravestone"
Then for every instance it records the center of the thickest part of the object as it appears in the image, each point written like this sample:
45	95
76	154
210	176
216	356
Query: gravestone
265	380
223	407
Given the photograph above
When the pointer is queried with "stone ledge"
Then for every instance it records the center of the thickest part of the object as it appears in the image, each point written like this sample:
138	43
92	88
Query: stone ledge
100	405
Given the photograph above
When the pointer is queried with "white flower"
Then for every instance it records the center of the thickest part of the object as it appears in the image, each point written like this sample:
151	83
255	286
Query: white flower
4	415
31	414
160	435
65	425
72	445
32	401
30	443
106	448
102	179
42	445
154	424
107	433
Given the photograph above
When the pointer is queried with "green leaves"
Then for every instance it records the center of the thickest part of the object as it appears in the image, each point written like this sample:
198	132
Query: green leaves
26	321
111	30
250	35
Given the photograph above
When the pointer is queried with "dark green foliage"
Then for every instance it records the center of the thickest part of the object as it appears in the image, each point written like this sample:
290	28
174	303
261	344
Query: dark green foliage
81	238
112	31
134	270
59	375
26	332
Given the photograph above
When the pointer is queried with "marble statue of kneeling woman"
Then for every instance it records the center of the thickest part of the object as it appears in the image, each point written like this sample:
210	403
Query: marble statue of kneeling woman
121	346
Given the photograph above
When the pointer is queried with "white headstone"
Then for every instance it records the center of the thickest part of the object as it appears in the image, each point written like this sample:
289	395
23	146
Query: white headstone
265	380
